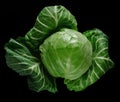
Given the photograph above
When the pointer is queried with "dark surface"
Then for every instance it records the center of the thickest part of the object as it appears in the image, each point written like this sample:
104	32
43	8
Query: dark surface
16	18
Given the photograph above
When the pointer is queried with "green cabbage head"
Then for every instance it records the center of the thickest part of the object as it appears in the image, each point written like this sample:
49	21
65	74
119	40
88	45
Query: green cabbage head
54	48
65	54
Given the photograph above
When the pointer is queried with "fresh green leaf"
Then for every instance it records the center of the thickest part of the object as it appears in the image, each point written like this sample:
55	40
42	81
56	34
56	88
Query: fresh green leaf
50	20
100	65
19	58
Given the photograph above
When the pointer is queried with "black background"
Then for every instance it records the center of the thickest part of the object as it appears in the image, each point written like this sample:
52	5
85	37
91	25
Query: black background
17	17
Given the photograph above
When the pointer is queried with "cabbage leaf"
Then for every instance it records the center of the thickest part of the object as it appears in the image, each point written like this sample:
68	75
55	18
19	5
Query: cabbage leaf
20	59
101	62
50	20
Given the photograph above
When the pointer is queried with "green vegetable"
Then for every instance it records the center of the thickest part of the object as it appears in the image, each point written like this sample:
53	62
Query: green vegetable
65	54
54	48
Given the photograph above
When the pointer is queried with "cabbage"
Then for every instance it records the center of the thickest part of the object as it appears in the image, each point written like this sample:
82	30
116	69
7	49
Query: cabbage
65	54
54	48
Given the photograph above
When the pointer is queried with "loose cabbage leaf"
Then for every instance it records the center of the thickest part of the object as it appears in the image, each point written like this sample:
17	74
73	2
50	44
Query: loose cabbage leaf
20	59
50	20
101	61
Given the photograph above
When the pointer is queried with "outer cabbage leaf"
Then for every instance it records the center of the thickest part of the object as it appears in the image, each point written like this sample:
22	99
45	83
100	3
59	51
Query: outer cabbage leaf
50	20
20	59
100	65
66	54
